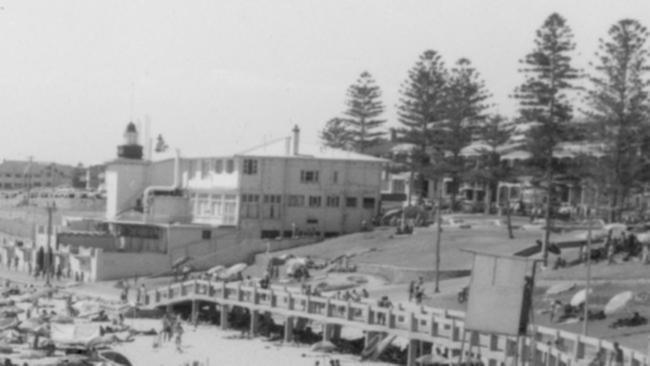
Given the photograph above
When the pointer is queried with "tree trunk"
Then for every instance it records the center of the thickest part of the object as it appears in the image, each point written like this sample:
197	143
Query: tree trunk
488	198
549	196
509	223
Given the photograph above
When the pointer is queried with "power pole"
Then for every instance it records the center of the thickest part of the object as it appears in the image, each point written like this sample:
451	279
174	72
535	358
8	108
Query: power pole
588	287
48	270
438	238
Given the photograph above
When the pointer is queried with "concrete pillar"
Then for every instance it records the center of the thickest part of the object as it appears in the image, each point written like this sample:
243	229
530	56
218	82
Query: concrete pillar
224	316
288	329
254	321
195	312
331	331
412	353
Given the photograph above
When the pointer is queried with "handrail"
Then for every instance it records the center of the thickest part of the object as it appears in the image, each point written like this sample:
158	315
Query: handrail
425	323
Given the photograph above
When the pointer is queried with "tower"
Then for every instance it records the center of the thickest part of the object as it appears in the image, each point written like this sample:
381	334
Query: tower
130	149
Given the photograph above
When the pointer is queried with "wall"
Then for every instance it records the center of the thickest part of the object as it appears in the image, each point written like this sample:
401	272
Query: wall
170	209
340	178
111	266
125	183
106	241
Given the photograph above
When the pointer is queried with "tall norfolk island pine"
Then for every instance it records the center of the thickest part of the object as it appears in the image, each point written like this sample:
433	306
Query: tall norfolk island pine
364	108
543	99
421	109
619	111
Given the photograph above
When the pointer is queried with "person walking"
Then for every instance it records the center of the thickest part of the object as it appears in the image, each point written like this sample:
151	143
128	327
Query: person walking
616	358
411	290
178	330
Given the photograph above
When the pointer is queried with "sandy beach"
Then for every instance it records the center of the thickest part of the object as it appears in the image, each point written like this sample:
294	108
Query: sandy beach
212	346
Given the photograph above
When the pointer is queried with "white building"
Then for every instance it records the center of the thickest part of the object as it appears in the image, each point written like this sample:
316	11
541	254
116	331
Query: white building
279	189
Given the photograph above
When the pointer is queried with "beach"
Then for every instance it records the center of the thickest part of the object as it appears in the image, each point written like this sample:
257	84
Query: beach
212	346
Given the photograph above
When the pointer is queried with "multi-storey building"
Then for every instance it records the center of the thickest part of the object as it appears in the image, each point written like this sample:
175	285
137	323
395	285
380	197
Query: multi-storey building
24	175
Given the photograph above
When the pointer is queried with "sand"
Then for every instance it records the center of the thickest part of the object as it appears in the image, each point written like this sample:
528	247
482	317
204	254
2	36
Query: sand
213	346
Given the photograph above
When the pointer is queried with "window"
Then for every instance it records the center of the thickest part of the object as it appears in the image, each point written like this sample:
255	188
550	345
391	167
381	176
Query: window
218	166
296	201
272	198
399	186
309	176
230	209
351	202
333	201
314	201
205	168
335	177
250	198
250	166
206	235
369	203
250	205
191	169
230	166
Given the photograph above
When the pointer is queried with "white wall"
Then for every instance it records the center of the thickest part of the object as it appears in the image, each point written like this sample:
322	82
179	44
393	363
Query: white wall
125	182
122	265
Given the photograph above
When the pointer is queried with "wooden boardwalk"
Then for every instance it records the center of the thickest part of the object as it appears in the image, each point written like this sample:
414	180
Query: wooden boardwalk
440	327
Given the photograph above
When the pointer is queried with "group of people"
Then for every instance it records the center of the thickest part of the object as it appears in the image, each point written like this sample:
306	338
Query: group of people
172	329
416	291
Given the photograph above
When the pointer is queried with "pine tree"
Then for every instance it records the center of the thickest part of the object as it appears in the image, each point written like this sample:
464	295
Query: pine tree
619	111
421	110
495	132
364	108
466	103
544	99
337	135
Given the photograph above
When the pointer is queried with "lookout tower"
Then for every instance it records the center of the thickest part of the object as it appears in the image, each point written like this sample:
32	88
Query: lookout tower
130	149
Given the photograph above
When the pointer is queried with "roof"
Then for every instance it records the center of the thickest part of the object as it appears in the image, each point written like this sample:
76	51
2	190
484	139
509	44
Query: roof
278	149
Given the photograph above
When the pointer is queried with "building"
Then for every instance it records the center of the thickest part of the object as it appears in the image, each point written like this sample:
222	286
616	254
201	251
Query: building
25	174
276	190
211	209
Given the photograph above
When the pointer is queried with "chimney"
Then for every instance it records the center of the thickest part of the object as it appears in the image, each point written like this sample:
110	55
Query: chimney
296	140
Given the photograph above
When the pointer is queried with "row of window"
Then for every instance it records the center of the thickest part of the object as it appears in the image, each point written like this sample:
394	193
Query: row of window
309	201
20	185
205	166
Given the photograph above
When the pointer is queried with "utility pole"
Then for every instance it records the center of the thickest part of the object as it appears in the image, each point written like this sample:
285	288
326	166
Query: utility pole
48	270
588	287
438	237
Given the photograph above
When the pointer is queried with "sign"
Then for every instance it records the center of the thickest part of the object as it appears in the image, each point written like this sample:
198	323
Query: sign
499	295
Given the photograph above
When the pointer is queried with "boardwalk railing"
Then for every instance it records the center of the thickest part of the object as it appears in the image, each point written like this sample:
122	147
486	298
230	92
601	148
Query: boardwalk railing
441	327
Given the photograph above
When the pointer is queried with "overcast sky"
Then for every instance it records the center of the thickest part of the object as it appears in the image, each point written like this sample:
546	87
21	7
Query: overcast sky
217	77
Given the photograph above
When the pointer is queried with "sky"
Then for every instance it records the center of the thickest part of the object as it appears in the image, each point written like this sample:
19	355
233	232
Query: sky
219	77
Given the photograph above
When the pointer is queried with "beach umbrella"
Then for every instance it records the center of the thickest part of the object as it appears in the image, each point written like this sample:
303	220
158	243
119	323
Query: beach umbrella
85	307
618	302
323	346
234	269
180	261
431	359
115	357
579	297
62	319
560	288
216	269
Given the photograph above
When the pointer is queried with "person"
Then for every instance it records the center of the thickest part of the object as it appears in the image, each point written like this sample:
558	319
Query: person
616	359
419	294
610	254
178	329
555	307
411	290
364	293
166	328
645	254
